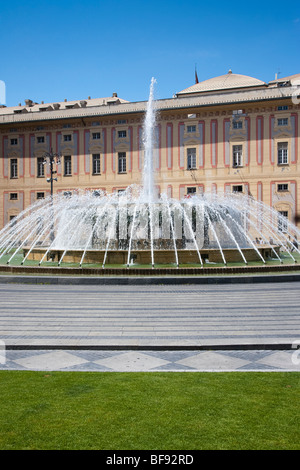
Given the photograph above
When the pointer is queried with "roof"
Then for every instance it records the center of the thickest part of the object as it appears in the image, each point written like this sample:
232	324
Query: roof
249	90
229	81
293	79
31	106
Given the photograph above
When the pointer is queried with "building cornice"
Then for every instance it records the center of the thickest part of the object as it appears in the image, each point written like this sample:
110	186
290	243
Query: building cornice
229	98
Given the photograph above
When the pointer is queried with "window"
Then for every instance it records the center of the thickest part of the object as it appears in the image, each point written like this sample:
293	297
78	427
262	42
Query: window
190	191
237	124
282	153
12	220
237	189
122	162
13	141
282	108
122	134
40	139
237	151
96	164
40	167
96	135
13	196
282	187
67	165
122	121
67	138
282	221
14	168
282	121
191	129
191	158
40	195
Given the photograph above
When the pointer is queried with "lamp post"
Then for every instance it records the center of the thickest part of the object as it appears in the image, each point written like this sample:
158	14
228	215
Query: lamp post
53	158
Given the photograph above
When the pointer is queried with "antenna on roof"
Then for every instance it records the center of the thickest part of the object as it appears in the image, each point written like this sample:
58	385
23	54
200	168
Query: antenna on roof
196	76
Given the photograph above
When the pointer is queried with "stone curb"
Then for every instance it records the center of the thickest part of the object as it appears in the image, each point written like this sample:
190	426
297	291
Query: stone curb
212	347
149	272
148	280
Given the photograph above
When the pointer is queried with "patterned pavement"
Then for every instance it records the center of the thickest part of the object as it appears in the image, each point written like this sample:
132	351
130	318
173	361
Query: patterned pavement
189	328
152	361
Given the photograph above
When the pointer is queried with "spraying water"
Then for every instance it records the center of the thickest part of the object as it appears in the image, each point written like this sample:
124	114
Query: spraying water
140	224
149	140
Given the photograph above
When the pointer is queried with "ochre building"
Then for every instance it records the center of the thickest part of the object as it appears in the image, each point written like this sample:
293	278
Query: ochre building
228	133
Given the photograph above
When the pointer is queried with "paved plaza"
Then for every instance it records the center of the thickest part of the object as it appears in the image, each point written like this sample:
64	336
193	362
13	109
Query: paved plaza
221	327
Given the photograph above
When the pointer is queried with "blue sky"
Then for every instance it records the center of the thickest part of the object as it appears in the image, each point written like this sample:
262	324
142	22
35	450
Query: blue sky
52	50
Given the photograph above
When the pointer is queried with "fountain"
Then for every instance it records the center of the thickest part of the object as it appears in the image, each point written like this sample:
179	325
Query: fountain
137	227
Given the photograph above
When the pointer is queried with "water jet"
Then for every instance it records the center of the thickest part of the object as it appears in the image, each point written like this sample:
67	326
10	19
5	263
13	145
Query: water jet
139	228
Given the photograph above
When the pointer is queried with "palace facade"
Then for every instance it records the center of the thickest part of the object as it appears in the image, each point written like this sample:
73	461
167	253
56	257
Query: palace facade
228	133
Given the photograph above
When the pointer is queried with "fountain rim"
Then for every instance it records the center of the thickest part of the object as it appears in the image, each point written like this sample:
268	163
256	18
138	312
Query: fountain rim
134	275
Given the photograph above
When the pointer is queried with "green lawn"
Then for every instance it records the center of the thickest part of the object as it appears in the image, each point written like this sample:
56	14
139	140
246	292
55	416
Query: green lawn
149	411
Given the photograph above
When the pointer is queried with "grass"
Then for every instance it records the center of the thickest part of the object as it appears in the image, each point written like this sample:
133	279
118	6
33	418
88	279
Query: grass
147	411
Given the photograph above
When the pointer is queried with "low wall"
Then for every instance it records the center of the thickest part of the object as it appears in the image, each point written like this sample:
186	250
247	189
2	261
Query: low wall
144	257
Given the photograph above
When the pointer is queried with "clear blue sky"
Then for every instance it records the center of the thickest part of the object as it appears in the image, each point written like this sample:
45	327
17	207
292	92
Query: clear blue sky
52	50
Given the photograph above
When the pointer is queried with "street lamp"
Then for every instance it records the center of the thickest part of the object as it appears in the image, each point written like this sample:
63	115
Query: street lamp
53	158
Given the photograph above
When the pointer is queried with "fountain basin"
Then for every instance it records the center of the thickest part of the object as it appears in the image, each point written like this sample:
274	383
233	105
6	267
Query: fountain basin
141	227
144	257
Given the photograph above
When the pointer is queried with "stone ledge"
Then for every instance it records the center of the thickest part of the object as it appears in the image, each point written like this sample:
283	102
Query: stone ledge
135	271
134	276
